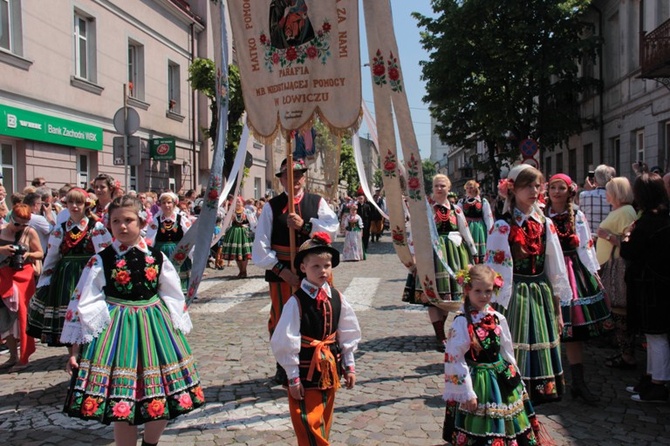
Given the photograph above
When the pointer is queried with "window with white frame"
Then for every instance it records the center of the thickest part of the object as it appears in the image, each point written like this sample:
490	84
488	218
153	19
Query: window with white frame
84	47
7	157
639	146
82	170
174	94
10	25
135	70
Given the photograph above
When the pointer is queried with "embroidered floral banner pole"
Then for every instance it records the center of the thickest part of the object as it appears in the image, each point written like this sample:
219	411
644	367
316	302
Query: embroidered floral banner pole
389	95
207	219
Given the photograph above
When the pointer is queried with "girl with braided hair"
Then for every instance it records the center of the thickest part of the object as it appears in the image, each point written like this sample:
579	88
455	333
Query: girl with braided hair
524	249
584	315
487	402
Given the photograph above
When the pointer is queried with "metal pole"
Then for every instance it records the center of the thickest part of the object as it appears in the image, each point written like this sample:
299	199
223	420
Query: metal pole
125	137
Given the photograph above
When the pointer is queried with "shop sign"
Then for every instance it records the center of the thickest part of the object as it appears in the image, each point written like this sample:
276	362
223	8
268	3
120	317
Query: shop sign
163	149
18	123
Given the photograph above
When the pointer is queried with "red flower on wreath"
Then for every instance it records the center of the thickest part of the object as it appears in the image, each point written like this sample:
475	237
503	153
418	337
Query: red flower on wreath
89	406
156	408
122	277
291	53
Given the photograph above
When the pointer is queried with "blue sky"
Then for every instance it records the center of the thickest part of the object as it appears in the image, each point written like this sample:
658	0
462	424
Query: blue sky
411	53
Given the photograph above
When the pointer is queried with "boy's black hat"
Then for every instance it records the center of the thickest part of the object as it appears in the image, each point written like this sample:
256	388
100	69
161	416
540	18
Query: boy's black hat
320	242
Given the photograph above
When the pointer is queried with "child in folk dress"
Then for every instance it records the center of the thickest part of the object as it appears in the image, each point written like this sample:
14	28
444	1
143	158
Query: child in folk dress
487	402
315	341
131	362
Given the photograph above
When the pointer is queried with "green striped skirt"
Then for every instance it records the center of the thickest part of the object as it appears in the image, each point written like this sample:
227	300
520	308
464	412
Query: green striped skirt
503	416
478	230
48	306
168	248
532	322
138	369
236	244
585	315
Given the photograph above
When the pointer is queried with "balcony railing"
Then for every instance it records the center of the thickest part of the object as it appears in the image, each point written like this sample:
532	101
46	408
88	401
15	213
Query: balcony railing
655	53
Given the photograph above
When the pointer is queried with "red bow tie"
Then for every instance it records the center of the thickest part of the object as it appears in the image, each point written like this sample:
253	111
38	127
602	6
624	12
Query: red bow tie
321	297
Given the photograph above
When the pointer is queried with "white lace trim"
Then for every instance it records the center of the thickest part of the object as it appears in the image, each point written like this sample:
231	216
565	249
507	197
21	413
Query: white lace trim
96	325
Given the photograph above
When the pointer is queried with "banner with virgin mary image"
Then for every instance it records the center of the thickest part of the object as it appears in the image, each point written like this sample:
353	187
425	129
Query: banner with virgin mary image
298	58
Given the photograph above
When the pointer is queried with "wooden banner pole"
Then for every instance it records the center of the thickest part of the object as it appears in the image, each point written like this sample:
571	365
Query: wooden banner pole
290	193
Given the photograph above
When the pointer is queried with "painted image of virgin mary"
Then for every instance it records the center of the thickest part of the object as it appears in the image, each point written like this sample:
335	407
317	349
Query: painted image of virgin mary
289	23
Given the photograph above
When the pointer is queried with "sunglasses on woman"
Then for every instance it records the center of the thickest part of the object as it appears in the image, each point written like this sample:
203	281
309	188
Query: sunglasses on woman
18	224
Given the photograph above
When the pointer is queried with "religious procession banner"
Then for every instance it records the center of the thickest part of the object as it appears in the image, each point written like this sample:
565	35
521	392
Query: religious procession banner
298	58
389	96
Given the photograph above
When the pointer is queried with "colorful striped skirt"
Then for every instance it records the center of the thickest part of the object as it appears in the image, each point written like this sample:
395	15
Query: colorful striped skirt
532	322
588	310
49	305
503	416
168	248
236	244
138	369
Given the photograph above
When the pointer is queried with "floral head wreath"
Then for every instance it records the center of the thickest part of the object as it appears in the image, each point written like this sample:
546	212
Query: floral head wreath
504	187
464	279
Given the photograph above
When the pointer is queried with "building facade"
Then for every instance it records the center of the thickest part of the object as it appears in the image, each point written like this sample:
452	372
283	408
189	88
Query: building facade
67	69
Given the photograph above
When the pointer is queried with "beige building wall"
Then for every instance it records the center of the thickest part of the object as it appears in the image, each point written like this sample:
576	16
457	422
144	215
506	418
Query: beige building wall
39	74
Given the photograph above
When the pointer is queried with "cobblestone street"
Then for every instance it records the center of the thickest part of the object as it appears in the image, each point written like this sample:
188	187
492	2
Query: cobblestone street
397	399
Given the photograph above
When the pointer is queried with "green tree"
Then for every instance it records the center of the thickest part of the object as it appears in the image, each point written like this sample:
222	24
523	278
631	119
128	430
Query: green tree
377	179
503	71
202	75
348	170
429	172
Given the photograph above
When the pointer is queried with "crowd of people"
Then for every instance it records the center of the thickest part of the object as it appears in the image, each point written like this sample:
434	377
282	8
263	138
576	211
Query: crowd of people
544	265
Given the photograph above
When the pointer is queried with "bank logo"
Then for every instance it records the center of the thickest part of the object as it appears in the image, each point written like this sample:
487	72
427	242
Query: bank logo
11	121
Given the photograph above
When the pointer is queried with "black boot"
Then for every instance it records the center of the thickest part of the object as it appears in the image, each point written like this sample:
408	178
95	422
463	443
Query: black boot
144	443
440	336
579	387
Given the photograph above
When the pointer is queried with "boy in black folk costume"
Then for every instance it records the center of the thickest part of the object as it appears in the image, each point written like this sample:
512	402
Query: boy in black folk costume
315	341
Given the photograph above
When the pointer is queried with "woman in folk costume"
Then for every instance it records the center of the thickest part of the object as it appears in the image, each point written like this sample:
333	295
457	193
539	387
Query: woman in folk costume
236	243
71	245
487	403
167	228
478	215
583	316
457	248
104	188
524	248
353	238
127	322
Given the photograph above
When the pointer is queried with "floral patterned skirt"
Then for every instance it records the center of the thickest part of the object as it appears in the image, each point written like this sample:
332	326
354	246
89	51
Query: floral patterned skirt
585	315
532	323
503	417
138	369
168	248
236	244
46	314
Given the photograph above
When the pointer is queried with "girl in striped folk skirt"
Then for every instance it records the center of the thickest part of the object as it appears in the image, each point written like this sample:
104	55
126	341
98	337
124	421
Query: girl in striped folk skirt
131	363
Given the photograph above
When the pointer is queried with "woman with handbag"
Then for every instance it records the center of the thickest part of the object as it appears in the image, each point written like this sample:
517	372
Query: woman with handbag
612	267
19	247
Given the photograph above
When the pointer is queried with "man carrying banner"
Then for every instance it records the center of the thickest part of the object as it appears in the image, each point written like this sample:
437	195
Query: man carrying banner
271	248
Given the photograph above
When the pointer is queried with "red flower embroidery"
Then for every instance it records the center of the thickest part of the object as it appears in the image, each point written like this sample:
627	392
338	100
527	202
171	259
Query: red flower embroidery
312	52
389	165
504	229
89	406
120	263
413	183
264	38
326	27
179	256
150	274
156	408
499	257
185	401
394	74
121	409
68	315
150	260
275	58
213	194
291	53
199	393
378	69
498	442
122	277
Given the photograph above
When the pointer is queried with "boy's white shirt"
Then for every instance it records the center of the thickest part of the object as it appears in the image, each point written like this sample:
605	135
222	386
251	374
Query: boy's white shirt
285	341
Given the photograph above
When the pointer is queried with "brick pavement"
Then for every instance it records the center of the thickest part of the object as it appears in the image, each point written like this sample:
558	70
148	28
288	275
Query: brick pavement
397	400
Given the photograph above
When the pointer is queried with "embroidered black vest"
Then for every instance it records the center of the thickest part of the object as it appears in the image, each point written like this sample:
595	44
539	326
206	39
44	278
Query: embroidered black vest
316	325
83	246
307	209
134	264
169	235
